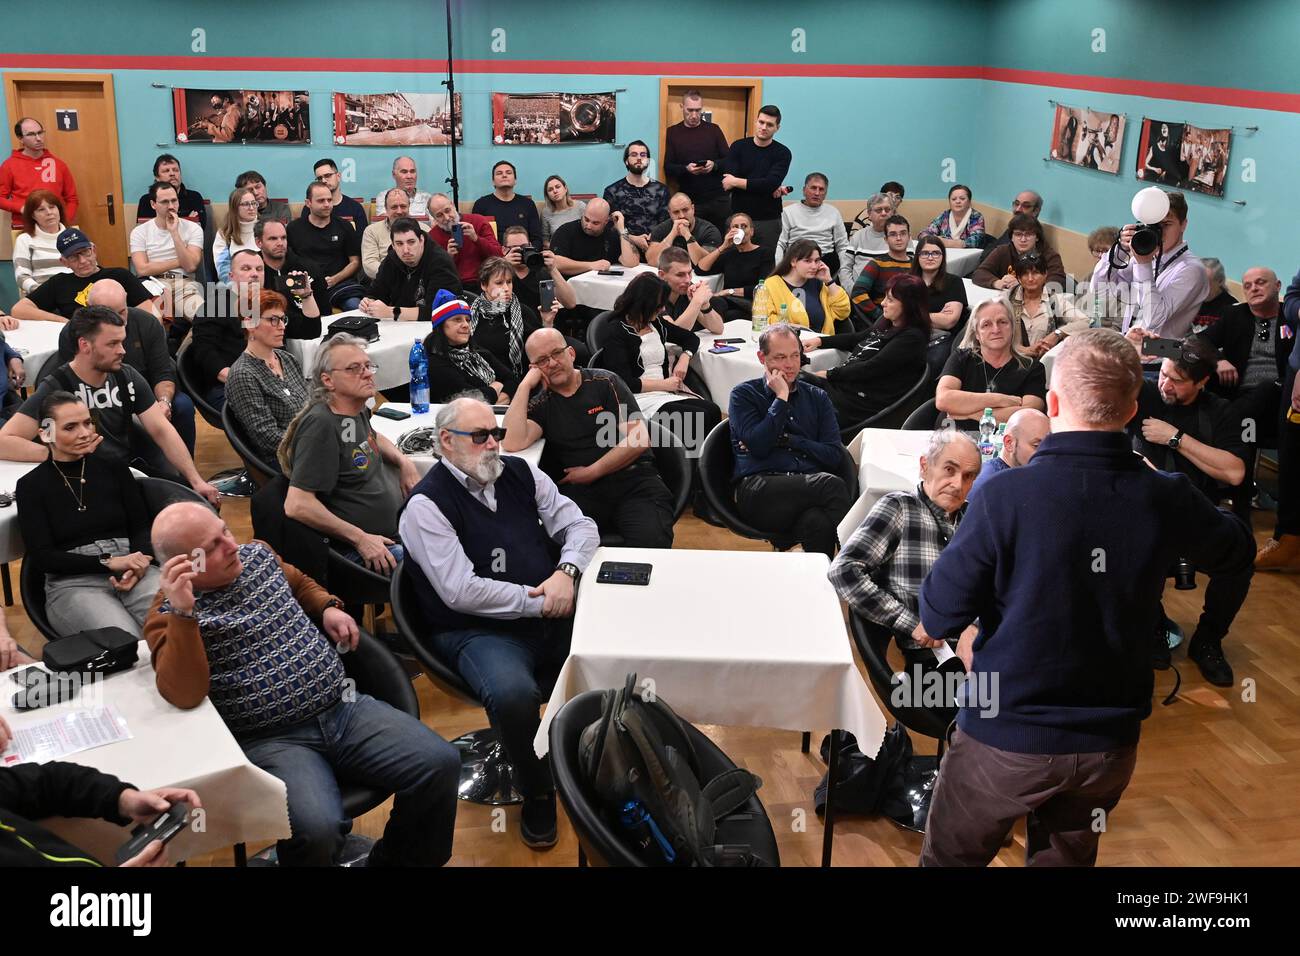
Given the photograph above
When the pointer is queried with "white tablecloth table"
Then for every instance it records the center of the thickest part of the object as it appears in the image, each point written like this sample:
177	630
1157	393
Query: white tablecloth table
11	538
600	292
392	353
1049	359
962	262
724	372
35	341
975	294
888	460
169	747
393	430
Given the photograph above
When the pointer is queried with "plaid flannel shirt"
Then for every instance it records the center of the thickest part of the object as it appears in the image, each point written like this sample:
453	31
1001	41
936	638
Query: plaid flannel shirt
879	570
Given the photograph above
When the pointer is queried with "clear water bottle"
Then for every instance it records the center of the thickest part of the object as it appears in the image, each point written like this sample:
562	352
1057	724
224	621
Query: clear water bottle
762	303
419	378
988	435
784	317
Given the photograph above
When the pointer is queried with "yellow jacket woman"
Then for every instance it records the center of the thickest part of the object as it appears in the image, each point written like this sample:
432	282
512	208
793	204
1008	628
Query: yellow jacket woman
802	284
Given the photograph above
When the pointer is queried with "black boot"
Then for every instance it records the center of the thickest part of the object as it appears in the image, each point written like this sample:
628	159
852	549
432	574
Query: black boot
1208	655
537	821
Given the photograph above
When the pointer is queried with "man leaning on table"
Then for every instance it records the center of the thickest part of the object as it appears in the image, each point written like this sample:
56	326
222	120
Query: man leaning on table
786	441
494	550
236	624
1074	677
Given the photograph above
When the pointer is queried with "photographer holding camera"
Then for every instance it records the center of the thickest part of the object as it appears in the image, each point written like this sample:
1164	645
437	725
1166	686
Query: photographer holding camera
1166	284
1183	429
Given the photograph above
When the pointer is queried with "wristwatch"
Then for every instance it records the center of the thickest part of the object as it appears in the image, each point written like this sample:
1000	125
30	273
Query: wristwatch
690	239
706	311
397	312
569	568
1176	440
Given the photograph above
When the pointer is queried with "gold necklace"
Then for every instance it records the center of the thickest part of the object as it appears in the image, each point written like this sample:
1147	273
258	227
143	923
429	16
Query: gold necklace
81	498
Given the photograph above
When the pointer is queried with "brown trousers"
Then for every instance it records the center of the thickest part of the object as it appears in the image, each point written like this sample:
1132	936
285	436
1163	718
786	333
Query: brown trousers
982	791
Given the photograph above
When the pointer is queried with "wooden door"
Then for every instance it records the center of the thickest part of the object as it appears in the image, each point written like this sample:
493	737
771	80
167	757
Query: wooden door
90	150
732	102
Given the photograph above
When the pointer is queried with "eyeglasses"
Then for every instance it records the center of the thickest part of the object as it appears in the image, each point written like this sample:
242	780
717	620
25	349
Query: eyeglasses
480	436
930	254
549	357
251	204
357	368
280	320
895	234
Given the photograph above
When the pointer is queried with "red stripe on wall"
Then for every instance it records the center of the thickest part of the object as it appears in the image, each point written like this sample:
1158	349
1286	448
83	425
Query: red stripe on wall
1224	96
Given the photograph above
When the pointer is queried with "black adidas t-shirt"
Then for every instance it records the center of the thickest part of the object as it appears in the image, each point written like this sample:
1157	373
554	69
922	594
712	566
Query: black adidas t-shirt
124	394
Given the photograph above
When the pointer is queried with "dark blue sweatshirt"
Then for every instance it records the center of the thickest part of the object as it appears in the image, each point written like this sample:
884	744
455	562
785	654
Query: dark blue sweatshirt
800	435
1064	561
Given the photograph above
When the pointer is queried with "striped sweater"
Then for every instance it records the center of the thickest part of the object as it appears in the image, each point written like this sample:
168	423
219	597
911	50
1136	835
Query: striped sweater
869	289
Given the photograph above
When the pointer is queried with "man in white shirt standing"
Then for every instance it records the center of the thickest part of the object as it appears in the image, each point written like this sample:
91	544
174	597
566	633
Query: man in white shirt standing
1161	291
168	250
812	219
405	178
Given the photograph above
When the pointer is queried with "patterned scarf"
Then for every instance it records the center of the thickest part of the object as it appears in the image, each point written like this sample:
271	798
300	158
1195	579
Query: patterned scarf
485	309
471	363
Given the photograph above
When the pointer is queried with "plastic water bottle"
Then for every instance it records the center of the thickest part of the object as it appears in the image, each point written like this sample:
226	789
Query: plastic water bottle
762	302
419	378
988	432
784	317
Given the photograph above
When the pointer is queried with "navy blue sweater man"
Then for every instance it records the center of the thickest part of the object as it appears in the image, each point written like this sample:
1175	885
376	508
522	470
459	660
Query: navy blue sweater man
786	440
1063	562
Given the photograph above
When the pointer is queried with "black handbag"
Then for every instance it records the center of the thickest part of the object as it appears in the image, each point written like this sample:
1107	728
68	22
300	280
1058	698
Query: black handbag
362	326
103	650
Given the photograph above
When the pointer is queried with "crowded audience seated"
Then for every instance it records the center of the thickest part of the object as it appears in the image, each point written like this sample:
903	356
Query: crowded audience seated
477	239
945	292
559	208
494	549
990	369
689	304
683	230
1025	431
167	169
218	335
329	246
378	237
869	287
283	272
118	396
1027	203
499	323
869	240
642	201
36	251
84	522
879	571
412	273
959	226
594	241
56	299
885	361
786	444
167	251
261	641
267	209
236	232
343	208
743	265
530	271
504	206
597	444
997	270
801	291
406	178
345	479
266	388
457	365
811	218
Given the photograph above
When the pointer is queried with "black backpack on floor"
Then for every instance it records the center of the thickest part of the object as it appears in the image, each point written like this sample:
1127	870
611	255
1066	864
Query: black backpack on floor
640	761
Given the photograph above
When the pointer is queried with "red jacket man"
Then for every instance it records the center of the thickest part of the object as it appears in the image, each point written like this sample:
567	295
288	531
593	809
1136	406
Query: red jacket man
480	240
30	167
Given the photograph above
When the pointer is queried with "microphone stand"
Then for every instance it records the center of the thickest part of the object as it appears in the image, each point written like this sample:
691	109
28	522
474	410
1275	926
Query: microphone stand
450	84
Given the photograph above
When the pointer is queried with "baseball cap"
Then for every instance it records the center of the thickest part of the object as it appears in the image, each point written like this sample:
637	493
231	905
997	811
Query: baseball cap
72	240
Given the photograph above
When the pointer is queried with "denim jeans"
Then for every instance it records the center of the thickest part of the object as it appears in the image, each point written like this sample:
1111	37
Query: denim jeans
353	555
363	741
183	418
512	675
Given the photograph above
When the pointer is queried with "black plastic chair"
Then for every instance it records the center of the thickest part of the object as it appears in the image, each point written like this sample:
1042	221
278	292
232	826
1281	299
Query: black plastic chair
594	361
47	369
924	419
718	466
375	670
231	482
485	774
674	468
158	494
259	469
597	331
355	584
892	415
872	642
599	842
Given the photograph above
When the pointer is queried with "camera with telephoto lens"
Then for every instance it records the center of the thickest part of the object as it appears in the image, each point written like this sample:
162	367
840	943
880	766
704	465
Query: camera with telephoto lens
530	257
1184	576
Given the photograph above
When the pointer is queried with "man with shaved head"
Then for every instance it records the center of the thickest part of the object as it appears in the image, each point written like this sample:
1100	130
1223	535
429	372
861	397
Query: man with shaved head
494	549
596	241
405	178
236	624
683	229
146	352
1026	430
1062	563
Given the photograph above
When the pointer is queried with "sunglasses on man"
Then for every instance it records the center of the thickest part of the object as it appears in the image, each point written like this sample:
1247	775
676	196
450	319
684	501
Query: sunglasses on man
479	436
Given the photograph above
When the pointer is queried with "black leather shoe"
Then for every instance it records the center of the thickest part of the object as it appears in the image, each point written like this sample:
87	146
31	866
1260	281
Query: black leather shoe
1208	656
537	822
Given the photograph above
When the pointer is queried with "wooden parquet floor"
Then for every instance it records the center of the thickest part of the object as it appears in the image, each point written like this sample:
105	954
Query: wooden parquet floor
1217	779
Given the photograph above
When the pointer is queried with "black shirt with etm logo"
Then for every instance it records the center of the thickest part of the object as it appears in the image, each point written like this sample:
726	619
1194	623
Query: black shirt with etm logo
124	394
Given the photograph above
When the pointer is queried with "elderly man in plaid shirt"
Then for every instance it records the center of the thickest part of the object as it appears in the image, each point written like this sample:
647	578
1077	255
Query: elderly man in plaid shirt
879	571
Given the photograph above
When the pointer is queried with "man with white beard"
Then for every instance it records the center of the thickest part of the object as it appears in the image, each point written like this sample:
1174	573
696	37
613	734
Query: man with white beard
481	534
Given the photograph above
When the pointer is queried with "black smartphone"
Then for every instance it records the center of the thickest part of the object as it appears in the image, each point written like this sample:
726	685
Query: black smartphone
728	341
396	414
1162	348
623	572
25	675
43	689
609	272
546	289
167	826
458	233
